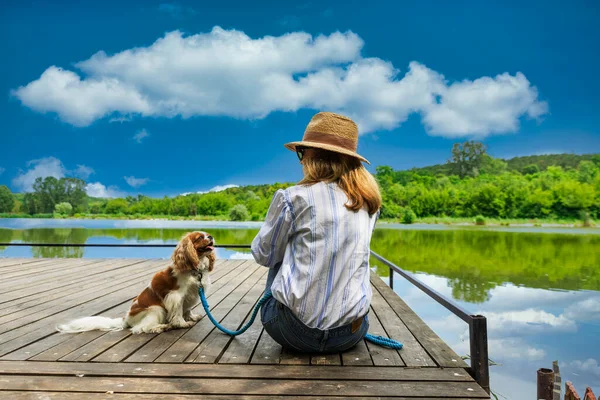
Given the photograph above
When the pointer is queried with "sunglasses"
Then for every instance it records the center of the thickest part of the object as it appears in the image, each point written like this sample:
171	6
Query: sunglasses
300	152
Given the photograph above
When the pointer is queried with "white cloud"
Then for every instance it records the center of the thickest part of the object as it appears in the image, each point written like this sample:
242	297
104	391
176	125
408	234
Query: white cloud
96	189
41	168
51	166
514	348
218	188
586	310
590	366
83	172
227	73
529	321
135	182
140	135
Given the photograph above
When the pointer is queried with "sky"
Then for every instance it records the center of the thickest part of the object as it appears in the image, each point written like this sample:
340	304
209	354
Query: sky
163	98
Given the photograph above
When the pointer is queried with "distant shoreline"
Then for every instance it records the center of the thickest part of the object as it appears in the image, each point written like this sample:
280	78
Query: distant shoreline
428	221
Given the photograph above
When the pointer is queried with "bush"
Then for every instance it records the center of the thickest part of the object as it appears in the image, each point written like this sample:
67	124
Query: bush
239	212
409	216
63	208
255	217
479	220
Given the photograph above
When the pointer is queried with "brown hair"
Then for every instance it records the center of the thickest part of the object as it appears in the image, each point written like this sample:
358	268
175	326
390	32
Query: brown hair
348	172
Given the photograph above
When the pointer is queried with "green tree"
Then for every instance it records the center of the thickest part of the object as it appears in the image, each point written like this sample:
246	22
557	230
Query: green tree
588	171
531	169
116	206
239	212
467	158
7	200
63	208
493	166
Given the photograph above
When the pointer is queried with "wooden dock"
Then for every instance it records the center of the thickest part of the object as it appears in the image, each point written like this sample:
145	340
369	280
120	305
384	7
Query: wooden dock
36	362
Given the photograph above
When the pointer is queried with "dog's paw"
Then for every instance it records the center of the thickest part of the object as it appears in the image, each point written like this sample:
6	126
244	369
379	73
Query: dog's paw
195	317
183	324
158	329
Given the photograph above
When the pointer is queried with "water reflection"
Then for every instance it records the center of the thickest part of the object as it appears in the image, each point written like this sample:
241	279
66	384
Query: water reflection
540	291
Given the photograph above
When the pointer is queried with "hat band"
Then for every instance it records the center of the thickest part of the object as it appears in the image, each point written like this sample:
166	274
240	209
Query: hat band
348	144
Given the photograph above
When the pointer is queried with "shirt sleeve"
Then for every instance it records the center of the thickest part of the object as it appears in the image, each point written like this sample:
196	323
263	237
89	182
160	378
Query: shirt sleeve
268	247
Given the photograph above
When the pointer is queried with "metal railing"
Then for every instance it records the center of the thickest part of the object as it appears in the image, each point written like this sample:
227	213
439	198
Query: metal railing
477	323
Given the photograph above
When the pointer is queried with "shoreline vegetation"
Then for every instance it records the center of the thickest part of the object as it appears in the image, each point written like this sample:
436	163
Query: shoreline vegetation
471	188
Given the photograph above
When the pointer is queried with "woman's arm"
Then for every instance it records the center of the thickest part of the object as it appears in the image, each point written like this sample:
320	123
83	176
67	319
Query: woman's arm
268	247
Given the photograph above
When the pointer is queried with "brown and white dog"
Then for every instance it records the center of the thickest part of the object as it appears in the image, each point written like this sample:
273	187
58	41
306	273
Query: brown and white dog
168	300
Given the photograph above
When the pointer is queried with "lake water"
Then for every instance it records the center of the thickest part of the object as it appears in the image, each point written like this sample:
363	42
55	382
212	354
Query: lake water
538	287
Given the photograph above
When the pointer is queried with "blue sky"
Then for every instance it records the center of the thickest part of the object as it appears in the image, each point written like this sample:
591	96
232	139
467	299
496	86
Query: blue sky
164	98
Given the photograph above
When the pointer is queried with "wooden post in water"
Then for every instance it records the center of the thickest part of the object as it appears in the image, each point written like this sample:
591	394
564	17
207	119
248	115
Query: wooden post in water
545	384
557	380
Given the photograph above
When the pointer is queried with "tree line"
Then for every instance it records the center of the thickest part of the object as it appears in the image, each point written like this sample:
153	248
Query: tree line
470	184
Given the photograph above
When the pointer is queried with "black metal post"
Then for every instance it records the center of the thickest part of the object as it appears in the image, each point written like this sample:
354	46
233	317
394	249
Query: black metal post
391	278
479	351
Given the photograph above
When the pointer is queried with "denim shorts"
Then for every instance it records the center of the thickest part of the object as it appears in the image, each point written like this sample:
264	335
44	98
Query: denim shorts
291	333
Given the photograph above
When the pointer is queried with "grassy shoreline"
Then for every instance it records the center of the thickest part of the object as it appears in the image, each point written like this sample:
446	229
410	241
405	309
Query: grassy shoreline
456	221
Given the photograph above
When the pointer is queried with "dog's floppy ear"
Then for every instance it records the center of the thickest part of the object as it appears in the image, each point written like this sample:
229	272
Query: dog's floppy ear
185	257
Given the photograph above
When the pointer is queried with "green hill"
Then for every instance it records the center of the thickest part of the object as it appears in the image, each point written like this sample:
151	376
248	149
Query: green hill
519	164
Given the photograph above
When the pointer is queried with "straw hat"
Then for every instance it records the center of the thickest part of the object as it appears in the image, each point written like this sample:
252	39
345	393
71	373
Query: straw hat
333	132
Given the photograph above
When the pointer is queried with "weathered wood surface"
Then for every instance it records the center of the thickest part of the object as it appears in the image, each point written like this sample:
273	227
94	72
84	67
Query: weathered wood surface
36	362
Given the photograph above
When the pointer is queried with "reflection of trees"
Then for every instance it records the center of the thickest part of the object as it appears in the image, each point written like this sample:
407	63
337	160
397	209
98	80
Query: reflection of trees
56	235
5	237
80	235
472	292
477	261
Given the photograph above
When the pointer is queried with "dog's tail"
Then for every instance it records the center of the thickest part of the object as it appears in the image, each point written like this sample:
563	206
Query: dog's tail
92	324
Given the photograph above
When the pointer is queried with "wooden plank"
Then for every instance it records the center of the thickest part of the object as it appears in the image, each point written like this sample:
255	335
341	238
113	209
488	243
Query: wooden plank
101	289
45	299
46	267
211	348
325	359
62	269
47	305
292	358
23	264
381	355
61	344
436	347
10	261
241	347
218	371
413	354
192	386
226	298
96	346
267	351
170	396
132	343
358	355
29	290
219	290
22	336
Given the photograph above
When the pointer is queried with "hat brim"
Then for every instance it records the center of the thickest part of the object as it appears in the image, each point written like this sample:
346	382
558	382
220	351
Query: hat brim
292	146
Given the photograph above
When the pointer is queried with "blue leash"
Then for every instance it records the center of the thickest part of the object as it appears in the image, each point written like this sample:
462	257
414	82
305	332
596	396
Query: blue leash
380	340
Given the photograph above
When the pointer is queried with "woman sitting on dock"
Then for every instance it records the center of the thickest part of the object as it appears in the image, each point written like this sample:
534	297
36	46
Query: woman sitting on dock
316	242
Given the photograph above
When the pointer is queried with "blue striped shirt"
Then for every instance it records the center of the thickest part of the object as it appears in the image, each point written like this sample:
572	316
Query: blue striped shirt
324	252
